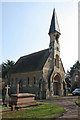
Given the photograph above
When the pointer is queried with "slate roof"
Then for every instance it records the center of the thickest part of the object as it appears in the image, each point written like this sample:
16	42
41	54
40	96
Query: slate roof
32	62
54	23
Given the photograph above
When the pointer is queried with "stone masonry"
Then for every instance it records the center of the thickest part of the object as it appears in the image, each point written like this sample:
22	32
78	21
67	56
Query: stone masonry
41	73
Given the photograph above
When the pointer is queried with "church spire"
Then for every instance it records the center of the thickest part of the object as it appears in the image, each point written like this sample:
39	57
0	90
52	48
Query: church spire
54	27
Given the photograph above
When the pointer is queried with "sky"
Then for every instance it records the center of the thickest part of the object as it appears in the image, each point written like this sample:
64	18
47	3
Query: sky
25	27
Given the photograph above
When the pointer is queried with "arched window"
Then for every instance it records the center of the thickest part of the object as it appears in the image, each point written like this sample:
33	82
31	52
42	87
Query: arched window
28	81
12	81
16	81
20	85
57	49
57	39
34	80
57	61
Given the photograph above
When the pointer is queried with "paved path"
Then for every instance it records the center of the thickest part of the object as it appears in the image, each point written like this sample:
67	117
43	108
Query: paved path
68	103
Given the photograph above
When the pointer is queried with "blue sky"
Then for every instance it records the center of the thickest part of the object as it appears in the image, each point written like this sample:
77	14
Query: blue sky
25	28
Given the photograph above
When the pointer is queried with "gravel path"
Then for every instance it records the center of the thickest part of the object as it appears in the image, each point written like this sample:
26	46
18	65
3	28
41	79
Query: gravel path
68	103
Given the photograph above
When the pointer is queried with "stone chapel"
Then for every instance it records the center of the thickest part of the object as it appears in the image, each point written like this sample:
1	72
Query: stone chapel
42	72
75	79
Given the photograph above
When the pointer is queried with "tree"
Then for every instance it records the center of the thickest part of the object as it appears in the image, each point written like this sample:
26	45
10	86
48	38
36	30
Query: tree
67	78
72	69
69	75
6	67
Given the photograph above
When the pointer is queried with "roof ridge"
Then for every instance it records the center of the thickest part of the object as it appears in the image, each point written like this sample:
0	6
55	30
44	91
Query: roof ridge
34	52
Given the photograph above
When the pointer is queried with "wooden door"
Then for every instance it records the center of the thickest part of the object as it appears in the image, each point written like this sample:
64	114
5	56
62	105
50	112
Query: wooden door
55	88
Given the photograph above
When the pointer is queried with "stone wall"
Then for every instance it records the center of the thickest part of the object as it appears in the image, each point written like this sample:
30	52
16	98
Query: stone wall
39	82
49	71
29	82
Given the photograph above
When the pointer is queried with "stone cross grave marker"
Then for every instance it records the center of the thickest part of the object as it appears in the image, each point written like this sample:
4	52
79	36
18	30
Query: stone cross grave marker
7	98
7	88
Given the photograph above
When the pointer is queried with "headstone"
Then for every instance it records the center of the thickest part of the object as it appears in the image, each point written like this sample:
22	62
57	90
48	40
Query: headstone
7	97
7	88
18	88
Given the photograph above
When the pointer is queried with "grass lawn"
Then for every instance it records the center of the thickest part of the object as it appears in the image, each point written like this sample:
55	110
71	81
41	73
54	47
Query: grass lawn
4	107
78	102
46	110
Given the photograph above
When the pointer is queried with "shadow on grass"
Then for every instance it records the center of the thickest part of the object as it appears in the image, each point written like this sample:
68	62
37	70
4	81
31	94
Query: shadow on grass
45	111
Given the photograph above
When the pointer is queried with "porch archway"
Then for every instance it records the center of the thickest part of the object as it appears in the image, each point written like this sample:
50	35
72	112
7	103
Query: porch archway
57	84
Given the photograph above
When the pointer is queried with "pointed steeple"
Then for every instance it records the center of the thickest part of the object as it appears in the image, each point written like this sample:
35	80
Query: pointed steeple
54	24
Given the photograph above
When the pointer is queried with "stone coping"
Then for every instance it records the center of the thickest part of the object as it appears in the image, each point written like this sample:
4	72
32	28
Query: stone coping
23	95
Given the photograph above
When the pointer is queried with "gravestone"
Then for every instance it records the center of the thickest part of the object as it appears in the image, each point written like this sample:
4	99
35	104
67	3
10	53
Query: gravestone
7	97
21	99
18	88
